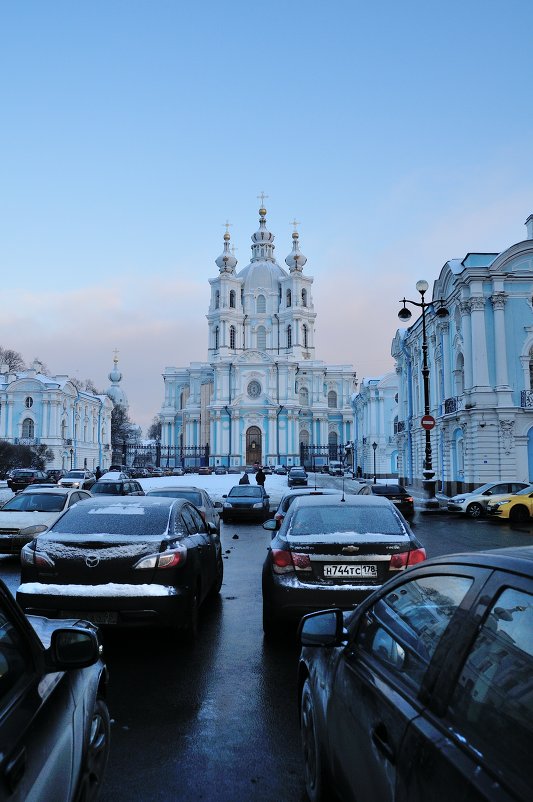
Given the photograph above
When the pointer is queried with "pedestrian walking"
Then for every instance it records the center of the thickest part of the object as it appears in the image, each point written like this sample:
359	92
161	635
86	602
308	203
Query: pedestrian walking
260	477
98	472
244	479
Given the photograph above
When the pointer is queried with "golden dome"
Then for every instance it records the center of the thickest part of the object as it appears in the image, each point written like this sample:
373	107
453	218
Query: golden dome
262	211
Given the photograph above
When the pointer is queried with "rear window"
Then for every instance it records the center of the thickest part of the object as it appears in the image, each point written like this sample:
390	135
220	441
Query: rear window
36	502
130	520
189	495
108	488
383	490
243	490
331	520
23	473
74	475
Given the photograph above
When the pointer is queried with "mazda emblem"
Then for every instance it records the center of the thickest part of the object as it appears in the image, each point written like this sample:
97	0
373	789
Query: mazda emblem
92	561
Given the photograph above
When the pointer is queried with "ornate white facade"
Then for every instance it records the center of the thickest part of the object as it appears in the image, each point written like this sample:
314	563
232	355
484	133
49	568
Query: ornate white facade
481	373
262	393
375	409
48	410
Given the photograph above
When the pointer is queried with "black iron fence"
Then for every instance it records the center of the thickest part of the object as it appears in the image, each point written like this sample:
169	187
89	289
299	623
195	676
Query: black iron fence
312	457
140	456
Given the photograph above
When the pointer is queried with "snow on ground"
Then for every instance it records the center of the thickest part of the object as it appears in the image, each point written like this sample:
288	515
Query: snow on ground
217	486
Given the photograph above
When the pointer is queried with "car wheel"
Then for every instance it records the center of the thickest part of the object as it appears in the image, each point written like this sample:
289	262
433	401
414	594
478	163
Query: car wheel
270	628
97	754
315	780
474	510
519	514
215	590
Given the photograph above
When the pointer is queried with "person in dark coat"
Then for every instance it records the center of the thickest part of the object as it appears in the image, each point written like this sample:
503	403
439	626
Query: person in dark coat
260	477
244	479
98	472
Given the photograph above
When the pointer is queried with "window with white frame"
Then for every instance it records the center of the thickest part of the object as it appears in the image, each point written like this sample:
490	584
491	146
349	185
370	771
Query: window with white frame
260	304
217	333
261	338
289	336
332	399
232	299
304	297
288	297
303	396
304	330
28	428
232	337
217	299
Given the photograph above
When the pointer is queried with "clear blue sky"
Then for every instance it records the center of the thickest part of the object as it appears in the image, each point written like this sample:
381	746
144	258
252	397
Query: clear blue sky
399	134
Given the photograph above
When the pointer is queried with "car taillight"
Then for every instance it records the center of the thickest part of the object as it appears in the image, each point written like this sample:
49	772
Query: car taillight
409	499
283	562
167	559
400	561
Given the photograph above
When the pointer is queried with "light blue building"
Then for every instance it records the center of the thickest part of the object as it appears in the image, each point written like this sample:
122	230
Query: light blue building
36	409
375	410
481	373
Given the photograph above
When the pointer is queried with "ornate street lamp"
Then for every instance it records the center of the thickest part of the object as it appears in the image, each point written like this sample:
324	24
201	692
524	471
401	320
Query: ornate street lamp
374	446
427	422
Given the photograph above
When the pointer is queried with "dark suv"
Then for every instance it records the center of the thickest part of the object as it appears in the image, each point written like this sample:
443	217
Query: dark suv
117	487
22	477
425	690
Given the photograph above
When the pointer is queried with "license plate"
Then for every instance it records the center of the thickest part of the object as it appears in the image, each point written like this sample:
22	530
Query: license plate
95	617
354	570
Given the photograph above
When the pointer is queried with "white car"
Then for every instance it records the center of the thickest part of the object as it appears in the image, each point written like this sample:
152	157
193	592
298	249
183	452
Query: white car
33	511
475	503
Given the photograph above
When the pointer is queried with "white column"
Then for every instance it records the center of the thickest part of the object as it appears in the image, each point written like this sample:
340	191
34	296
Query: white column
480	372
467	339
444	329
498	303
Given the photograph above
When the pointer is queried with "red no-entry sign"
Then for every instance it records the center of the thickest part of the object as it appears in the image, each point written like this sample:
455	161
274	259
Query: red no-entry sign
427	422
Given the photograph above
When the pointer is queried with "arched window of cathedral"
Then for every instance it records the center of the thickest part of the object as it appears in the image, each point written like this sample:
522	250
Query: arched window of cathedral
85	432
459	375
332	399
531	368
184	397
232	337
304	297
261	338
232	299
289	337
217	299
64	429
289	298
304	437
304	397
260	304
28	428
333	443
217	332
457	319
304	329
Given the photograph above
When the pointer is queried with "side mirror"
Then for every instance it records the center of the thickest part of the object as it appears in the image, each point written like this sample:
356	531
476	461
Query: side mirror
271	524
325	628
218	504
224	496
211	528
487	493
73	648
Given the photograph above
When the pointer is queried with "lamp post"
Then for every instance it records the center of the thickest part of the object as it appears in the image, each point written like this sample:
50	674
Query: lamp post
427	422
374	446
71	457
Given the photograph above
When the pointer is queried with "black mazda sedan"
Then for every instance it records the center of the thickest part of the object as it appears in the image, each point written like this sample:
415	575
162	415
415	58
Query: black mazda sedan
425	691
245	502
332	551
126	561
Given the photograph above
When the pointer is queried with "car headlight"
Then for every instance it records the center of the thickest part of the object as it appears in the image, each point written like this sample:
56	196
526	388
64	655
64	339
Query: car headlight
258	505
29	555
459	500
227	504
33	530
499	503
75	484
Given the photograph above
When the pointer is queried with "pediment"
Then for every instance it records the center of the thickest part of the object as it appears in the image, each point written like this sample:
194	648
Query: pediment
250	356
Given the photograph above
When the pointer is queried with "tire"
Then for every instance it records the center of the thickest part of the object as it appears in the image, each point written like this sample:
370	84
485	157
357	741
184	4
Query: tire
219	578
270	628
519	514
97	754
474	510
314	769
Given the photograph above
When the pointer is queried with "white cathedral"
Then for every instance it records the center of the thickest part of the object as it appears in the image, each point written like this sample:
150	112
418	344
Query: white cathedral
262	396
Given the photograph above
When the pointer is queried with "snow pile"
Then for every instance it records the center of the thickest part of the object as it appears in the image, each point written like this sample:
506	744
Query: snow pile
112	589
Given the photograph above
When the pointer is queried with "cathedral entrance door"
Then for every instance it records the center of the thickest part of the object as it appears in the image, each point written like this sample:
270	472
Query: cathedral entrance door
253	445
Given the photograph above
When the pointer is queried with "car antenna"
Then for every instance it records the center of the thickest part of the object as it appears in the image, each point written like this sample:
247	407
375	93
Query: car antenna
343	496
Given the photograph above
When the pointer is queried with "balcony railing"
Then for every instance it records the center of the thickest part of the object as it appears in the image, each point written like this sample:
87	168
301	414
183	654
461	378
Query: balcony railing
526	399
454	404
27	441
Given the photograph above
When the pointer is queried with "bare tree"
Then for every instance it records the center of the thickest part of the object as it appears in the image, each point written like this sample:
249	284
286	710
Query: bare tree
11	358
154	430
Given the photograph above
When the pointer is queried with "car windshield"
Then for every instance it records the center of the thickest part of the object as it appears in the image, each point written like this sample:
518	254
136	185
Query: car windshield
383	490
246	491
190	495
36	502
108	488
130	520
74	475
297	472
331	520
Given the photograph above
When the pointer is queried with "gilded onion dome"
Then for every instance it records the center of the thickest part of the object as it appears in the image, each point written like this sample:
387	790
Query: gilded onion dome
295	260
226	262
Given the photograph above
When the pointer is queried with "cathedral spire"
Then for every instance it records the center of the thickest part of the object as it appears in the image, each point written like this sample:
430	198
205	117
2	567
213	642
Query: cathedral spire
263	240
295	260
226	262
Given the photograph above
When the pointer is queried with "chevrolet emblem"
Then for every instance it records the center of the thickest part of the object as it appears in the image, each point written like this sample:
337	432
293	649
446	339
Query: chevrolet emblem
350	549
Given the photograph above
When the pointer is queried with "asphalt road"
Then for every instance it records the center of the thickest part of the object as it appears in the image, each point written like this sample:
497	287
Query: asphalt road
218	721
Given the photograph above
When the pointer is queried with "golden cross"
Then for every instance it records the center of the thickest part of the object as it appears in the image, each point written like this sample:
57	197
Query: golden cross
227	226
262	197
295	223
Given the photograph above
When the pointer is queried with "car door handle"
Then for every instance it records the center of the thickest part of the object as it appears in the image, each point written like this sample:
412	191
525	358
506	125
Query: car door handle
381	740
15	768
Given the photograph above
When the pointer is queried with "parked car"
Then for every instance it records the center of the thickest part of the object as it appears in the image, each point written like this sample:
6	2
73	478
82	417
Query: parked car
398	495
54	721
335	468
117	487
78	478
234	470
209	511
22	477
245	502
205	470
177	471
290	495
251	468
424	692
517	507
33	511
475	503
220	470
296	477
280	470
329	553
267	470
146	561
55	474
